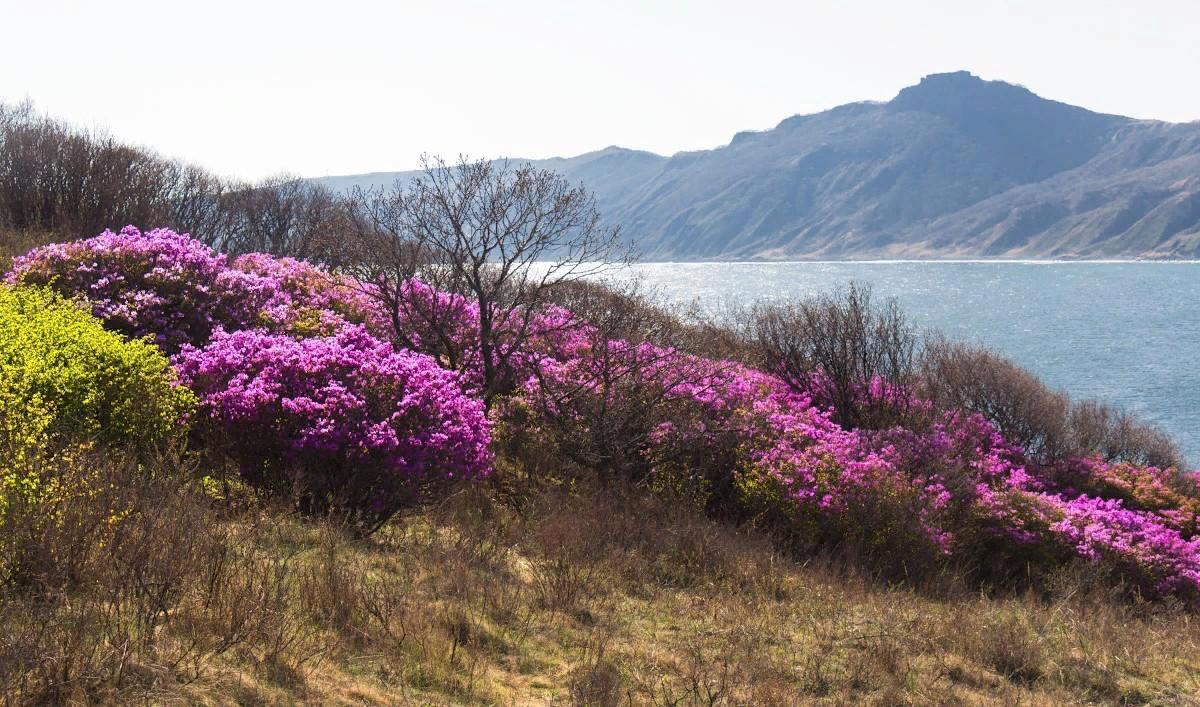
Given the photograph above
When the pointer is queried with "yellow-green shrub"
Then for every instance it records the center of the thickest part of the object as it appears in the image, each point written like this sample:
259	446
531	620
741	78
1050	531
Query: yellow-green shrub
66	383
92	383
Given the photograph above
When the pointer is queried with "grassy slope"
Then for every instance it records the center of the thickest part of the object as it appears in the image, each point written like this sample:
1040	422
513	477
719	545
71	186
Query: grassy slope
617	601
524	595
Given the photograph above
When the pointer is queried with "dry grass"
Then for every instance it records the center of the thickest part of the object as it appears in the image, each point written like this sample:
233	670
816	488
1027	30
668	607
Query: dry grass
590	597
14	243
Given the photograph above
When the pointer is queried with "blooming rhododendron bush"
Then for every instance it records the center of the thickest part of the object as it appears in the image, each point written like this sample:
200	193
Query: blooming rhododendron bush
315	386
752	446
299	299
445	325
176	290
345	419
157	284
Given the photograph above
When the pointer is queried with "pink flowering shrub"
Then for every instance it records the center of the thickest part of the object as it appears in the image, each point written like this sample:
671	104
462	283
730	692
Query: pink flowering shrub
158	284
830	486
628	410
1031	529
948	486
1141	488
1160	560
177	291
446	326
298	298
346	419
744	440
441	324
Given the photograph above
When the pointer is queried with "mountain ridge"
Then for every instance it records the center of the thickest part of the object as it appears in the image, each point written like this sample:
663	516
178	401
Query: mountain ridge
953	166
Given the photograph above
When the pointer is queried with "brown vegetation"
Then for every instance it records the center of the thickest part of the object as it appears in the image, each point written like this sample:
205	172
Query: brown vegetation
1043	421
564	595
848	337
58	182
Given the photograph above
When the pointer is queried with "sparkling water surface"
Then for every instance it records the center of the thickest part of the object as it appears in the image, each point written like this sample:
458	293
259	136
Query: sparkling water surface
1124	332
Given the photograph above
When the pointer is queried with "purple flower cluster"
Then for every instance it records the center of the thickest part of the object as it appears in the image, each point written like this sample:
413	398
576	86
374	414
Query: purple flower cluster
941	483
159	284
343	413
176	290
719	424
1127	517
446	326
296	298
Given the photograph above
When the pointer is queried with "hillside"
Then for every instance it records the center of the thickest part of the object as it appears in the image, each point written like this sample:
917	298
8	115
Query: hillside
954	166
243	491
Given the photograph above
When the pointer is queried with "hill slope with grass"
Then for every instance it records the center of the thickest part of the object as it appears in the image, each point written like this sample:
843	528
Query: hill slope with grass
292	503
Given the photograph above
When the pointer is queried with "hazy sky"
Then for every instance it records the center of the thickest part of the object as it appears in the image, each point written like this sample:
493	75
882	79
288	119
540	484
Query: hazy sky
253	88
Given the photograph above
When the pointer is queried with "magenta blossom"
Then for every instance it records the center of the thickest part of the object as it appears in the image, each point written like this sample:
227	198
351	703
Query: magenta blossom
340	415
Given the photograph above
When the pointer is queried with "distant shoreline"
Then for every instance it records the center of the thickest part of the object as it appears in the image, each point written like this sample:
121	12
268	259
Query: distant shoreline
948	261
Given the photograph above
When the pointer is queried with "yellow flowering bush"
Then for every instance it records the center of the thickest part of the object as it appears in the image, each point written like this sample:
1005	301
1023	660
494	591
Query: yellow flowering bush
65	384
77	379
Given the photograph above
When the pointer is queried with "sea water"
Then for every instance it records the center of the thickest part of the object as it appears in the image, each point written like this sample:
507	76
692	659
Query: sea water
1127	333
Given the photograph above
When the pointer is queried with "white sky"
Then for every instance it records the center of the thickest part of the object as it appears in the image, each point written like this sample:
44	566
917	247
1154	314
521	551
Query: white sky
250	88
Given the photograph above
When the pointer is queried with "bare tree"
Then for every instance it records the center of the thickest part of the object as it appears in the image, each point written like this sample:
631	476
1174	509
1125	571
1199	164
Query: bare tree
58	181
1119	436
196	201
505	237
282	216
958	376
849	340
55	178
